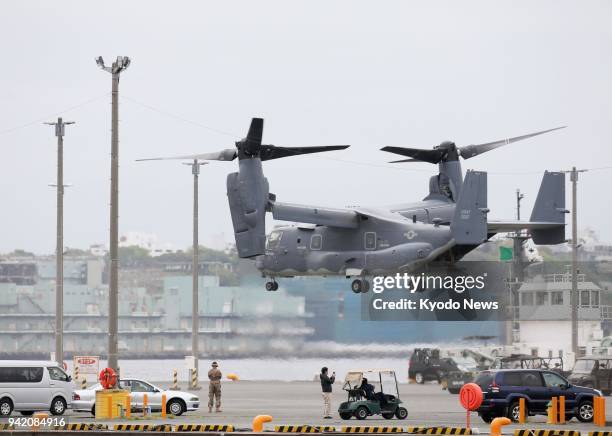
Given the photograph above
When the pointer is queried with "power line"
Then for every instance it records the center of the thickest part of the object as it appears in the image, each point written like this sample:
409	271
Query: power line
180	118
42	119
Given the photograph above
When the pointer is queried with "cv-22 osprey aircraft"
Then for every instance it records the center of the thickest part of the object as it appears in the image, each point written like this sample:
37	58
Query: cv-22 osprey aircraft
362	242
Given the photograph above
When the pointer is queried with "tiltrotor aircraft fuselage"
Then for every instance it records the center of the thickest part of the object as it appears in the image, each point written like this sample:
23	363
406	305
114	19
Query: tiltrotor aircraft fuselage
361	242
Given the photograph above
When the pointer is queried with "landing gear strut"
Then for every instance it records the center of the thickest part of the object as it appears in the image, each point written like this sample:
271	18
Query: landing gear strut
360	285
271	285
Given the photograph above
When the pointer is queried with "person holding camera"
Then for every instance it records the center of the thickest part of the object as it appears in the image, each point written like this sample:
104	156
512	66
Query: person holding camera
326	387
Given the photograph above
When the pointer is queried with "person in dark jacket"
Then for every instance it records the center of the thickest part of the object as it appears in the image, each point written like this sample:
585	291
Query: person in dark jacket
326	387
367	389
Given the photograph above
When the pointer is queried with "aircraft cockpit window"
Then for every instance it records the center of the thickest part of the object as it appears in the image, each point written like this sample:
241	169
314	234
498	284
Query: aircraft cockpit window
316	242
273	240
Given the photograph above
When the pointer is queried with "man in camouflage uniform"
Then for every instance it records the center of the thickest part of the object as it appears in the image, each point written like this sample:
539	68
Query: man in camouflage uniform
214	387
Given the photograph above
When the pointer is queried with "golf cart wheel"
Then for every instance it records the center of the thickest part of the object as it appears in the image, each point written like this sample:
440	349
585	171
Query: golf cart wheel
345	415
362	412
401	413
418	377
388	415
93	410
585	411
356	286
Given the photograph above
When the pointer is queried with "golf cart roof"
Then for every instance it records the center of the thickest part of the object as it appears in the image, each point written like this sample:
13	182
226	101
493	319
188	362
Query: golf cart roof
357	374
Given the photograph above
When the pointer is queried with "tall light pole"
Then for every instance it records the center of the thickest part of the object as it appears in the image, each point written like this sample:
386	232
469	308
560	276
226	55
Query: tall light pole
119	65
195	267
59	242
574	292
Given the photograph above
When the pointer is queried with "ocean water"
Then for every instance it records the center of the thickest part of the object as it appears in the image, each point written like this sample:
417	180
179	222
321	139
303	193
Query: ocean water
258	369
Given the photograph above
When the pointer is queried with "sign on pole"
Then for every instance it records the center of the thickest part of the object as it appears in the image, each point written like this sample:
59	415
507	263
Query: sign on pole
87	364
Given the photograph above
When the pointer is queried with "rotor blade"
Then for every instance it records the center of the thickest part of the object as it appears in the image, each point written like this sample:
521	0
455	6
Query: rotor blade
224	155
269	152
432	156
474	150
253	139
405	160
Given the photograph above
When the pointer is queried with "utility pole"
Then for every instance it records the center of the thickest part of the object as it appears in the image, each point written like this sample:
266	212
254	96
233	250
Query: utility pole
519	197
195	266
119	65
59	243
574	292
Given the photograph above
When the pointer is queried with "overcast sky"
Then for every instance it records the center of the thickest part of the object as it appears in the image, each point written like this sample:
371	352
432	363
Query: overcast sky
365	73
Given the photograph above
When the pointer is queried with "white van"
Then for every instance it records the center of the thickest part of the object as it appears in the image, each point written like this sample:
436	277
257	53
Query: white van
28	385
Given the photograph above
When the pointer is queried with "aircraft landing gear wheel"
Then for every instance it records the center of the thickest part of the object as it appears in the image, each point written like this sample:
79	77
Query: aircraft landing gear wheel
360	285
271	285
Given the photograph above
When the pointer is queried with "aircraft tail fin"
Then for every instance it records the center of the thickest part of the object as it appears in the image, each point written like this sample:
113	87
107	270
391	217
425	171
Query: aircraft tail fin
549	208
469	225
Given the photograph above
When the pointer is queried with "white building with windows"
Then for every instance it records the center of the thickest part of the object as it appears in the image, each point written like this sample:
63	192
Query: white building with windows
544	314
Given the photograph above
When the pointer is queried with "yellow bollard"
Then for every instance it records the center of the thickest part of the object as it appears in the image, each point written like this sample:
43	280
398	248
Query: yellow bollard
145	404
128	407
599	411
497	424
258	422
522	417
562	409
174	380
163	406
194	378
552	411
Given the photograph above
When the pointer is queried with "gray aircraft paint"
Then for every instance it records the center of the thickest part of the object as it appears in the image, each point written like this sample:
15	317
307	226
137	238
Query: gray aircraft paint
447	224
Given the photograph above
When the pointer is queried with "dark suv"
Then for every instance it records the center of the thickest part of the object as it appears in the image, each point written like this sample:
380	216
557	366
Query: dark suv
426	364
594	372
503	388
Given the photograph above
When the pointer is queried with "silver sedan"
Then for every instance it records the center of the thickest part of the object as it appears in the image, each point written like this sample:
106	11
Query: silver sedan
177	402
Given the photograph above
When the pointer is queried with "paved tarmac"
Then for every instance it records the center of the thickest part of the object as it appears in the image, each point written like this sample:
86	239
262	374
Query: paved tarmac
301	403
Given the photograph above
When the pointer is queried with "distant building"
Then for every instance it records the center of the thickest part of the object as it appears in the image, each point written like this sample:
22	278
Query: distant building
234	321
544	314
